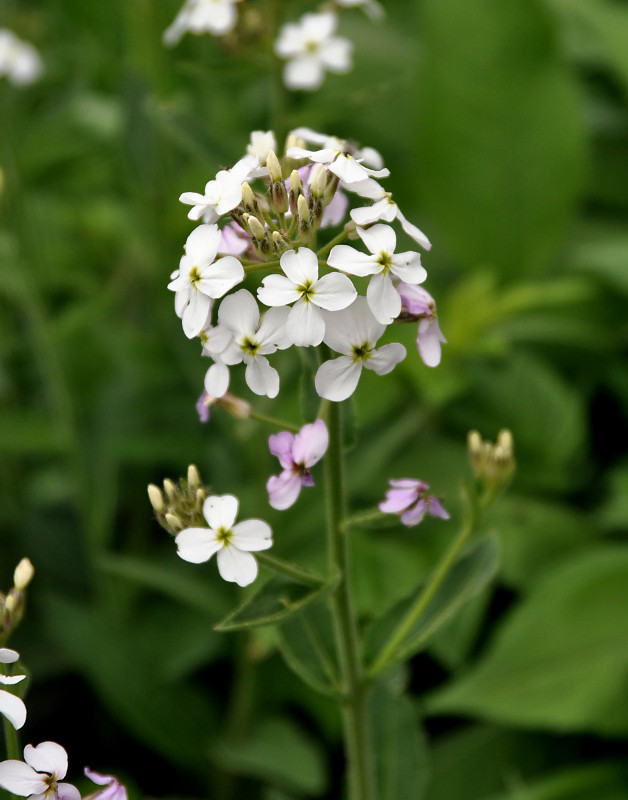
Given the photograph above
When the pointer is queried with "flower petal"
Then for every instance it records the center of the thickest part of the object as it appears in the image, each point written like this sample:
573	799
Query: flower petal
47	757
203	243
261	378
277	290
283	490
197	545
383	298
237	566
303	72
353	261
221	276
337	379
65	791
239	313
18	778
217	380
301	266
252	534
379	239
334	292
221	511
305	325
13	708
385	359
8	656
311	443
9	680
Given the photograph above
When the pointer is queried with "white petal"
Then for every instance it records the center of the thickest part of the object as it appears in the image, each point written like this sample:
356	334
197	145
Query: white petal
10	680
252	534
261	378
18	778
217	380
304	72
385	359
352	327
203	243
350	260
413	232
272	331
319	26
384	300
407	266
301	266
428	341
239	313
237	566
197	545
277	290
337	379
47	757
13	708
306	326
379	239
221	276
8	656
334	292
221	511
195	314
336	54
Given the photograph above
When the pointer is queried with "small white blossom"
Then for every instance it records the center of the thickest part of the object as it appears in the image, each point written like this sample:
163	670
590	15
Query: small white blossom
383	299
253	340
345	166
371	7
19	60
11	706
384	209
366	155
217	17
261	144
223	193
301	285
231	542
39	777
354	332
199	279
311	49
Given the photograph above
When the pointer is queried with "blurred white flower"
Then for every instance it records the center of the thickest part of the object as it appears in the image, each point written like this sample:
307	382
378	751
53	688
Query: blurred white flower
39	777
11	706
372	8
19	60
261	144
231	542
223	193
217	17
311	49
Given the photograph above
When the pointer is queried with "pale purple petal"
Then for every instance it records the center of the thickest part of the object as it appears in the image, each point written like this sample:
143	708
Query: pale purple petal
429	340
197	545
280	445
435	508
65	791
221	511
237	566
310	443
252	535
233	240
398	500
283	489
202	407
96	777
334	212
416	299
415	514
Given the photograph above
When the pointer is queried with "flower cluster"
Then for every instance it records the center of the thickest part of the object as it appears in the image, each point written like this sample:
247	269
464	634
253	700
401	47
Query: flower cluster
409	499
263	215
19	60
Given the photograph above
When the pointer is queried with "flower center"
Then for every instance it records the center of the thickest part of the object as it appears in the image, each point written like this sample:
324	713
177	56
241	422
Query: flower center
249	347
195	276
311	46
306	290
385	261
362	352
223	535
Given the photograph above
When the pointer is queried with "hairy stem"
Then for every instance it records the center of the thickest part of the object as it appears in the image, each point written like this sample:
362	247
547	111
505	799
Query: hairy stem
354	709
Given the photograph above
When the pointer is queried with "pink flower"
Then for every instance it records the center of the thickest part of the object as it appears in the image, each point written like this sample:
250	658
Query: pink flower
420	304
408	498
112	789
296	454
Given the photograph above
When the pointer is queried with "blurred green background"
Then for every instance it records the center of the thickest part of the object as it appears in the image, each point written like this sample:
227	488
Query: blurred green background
505	127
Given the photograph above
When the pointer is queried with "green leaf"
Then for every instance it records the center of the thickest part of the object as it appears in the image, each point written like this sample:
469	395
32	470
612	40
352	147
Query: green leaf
468	576
306	642
275	600
607	781
399	749
127	683
277	751
501	135
559	661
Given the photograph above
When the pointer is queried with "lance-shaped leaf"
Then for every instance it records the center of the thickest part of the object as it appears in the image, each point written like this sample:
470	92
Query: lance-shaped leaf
468	576
276	600
306	642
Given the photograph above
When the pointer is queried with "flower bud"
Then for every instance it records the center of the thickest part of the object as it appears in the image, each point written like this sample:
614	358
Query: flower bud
304	219
174	523
194	479
492	464
274	167
258	231
10	604
296	190
318	181
156	498
23	574
248	197
236	406
171	490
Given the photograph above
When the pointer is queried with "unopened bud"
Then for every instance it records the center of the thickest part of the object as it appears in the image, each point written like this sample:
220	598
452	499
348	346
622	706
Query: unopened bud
296	190
170	490
156	498
194	479
201	494
23	574
351	229
173	522
492	464
280	243
258	231
10	604
303	210
248	196
505	440
236	406
318	182
274	167
294	141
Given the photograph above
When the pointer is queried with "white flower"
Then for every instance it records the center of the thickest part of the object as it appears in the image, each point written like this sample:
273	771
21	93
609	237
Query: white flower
349	168
262	142
232	543
384	209
367	155
354	333
383	299
199	279
217	17
39	777
11	706
311	49
372	8
19	60
223	193
301	285
252	340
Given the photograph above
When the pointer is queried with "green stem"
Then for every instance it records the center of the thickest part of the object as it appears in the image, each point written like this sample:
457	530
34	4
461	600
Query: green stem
11	740
364	518
274	265
289	570
336	240
396	639
277	423
354	710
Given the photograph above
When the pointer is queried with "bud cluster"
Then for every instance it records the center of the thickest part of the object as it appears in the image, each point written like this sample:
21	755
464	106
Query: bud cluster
12	605
179	505
492	464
